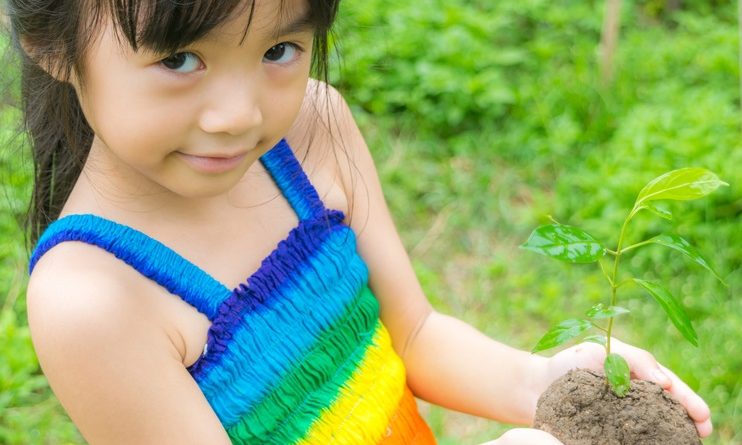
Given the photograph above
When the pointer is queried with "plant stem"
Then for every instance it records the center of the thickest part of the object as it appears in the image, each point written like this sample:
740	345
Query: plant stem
614	287
597	326
634	246
605	274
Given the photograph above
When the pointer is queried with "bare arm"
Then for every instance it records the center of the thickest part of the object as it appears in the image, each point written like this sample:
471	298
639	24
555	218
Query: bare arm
448	362
114	370
454	365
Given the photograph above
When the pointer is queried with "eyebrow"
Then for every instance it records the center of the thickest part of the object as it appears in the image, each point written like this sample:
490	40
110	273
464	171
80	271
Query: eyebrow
300	23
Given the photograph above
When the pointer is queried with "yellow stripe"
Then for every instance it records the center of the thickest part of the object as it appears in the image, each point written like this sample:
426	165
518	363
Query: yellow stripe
366	401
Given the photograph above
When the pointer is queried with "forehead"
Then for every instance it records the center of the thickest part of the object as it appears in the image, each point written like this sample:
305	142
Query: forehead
263	20
166	26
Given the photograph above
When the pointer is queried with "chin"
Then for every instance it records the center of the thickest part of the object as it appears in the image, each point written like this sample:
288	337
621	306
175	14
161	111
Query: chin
210	188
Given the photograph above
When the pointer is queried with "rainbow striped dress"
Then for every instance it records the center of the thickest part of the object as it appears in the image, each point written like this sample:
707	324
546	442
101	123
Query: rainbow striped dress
295	355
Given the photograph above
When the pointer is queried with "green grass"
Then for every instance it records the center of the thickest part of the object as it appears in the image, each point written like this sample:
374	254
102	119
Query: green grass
484	118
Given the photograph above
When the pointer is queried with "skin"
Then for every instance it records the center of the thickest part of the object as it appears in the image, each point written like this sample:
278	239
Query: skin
115	346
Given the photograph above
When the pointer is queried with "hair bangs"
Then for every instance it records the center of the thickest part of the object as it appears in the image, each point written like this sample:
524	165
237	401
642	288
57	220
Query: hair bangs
166	26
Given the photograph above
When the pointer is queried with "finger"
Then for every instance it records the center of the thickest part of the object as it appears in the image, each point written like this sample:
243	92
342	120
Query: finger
705	428
527	436
594	355
697	408
643	365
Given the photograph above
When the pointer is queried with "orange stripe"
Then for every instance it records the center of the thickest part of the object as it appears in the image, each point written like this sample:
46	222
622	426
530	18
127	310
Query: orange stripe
407	427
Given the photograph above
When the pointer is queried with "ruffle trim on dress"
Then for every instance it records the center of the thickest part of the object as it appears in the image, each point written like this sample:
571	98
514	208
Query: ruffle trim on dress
315	247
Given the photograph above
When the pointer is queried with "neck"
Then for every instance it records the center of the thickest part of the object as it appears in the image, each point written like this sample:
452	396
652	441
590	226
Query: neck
111	188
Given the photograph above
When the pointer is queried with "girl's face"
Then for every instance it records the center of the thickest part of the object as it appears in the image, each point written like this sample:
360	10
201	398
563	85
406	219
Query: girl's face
192	123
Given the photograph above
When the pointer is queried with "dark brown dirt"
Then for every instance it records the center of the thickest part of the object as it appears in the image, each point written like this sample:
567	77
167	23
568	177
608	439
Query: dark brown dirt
580	409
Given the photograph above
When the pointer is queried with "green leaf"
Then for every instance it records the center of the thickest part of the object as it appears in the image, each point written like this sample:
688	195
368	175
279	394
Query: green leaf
684	247
672	308
618	374
659	211
599	339
600	311
681	185
562	332
565	243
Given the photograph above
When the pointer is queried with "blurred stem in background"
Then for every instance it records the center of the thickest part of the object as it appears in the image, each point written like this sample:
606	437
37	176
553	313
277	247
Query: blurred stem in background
739	52
609	40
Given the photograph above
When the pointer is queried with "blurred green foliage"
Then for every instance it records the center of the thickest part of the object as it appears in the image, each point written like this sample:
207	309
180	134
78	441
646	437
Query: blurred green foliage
29	413
485	117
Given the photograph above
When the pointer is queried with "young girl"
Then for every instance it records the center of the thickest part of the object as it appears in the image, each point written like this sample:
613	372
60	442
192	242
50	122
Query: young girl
176	142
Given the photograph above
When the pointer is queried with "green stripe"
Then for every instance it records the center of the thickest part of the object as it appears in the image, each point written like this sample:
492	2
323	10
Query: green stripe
287	412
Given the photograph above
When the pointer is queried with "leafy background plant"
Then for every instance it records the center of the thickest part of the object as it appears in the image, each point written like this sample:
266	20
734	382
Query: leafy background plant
483	118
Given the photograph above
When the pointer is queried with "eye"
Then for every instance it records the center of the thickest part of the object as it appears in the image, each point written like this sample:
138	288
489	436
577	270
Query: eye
183	62
282	54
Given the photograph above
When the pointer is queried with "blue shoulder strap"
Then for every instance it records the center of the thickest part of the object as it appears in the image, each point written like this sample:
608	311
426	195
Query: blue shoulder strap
145	254
161	264
293	182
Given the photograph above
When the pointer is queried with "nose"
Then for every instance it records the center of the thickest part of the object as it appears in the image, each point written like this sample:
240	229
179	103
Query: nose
233	107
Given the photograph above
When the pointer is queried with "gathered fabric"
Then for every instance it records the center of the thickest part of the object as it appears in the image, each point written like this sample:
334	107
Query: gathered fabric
297	354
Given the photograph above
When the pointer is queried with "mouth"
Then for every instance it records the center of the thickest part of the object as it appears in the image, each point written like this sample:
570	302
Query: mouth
213	163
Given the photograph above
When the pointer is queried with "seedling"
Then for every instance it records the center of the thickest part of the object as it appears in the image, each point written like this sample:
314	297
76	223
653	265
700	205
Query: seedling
574	245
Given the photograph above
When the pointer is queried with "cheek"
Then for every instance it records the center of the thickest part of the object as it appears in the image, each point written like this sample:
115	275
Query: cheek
283	103
135	122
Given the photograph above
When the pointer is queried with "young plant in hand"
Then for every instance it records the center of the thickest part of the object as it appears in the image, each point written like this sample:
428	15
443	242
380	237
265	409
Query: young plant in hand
574	245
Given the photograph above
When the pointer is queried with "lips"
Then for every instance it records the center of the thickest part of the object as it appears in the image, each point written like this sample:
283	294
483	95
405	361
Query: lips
213	163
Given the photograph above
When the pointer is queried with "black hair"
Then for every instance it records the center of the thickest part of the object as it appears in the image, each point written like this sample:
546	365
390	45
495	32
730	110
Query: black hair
55	36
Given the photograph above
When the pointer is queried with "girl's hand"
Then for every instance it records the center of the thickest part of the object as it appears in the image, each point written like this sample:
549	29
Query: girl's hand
525	436
643	366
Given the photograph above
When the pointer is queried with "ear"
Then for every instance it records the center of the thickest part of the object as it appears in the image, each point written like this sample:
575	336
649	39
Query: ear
47	62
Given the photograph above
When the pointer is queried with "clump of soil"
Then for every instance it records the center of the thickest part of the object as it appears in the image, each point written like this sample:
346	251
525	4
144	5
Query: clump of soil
580	409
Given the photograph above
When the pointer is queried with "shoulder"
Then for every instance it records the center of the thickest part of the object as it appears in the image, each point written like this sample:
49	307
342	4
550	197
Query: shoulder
77	276
77	290
75	280
325	110
326	136
108	359
78	301
391	276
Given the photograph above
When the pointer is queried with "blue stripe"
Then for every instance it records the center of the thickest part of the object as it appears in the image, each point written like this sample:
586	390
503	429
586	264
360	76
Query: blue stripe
302	243
142	252
260	352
